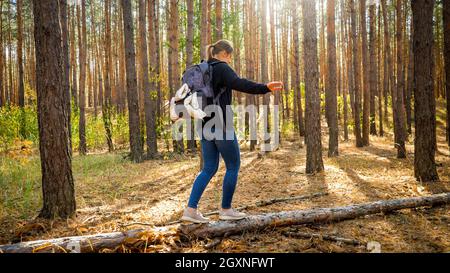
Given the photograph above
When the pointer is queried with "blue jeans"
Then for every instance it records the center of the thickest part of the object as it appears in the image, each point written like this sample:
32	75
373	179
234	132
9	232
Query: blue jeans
229	150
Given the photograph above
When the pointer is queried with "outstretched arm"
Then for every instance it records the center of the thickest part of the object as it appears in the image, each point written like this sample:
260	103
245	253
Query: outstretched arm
249	87
233	81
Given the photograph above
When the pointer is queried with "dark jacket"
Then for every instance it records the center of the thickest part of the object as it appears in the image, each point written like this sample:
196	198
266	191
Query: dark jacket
225	77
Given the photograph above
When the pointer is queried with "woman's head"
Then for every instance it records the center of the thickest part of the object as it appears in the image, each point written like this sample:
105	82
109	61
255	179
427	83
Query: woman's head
221	50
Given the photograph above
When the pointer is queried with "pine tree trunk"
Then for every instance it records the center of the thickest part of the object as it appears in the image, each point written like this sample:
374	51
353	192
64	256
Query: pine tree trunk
250	120
275	69
365	73
174	75
286	64
264	66
82	83
191	143
219	20
373	69
314	162
149	105
56	164
447	62
63	9
381	84
356	75
153	30
399	118
122	69
410	84
424	102
235	8
389	78
132	92
346	65
204	29
73	60
11	94
331	93
323	70
97	66
107	101
89	79
296	72
21	88
2	89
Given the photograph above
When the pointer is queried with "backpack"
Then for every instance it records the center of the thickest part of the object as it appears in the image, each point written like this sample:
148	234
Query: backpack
198	80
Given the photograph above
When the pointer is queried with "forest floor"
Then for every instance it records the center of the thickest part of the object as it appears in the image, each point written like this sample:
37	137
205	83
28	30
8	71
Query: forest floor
113	193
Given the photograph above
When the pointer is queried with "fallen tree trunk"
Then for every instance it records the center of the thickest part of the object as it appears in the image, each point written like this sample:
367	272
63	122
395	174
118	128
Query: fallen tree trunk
95	243
81	244
320	215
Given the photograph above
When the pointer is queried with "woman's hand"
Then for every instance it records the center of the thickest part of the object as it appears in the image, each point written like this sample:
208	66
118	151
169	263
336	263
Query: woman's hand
275	86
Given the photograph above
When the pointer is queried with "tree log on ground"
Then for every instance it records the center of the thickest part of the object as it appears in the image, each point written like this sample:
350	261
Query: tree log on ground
95	243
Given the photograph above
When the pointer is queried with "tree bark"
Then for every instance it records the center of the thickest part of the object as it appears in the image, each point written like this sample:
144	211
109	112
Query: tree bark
11	94
219	20
121	85
346	73
250	121
132	93
275	69
447	62
381	81
286	63
174	77
331	93
264	66
56	165
107	98
425	101
191	143
323	69
63	9
389	71
153	31
2	89
204	29
296	70
373	68
73	58
98	94
410	83
314	162
399	117
365	73
356	75
21	87
82	83
149	104
95	243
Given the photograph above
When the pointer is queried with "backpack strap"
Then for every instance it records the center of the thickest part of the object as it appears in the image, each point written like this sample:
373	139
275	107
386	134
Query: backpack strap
204	66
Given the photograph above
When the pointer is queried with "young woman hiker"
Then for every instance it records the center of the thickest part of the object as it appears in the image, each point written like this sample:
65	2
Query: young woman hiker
223	77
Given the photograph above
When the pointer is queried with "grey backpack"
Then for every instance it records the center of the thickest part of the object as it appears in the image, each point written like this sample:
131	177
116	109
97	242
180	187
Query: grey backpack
199	79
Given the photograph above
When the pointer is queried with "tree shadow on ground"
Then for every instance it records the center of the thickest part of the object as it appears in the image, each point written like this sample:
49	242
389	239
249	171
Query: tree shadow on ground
408	225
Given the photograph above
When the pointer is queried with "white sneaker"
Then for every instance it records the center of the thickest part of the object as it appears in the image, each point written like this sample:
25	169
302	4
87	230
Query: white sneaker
231	215
196	217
